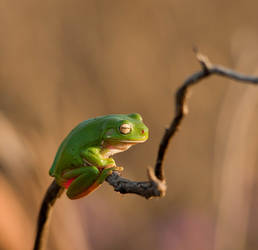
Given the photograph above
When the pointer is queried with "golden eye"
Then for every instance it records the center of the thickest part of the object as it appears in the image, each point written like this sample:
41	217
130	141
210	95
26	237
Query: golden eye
125	128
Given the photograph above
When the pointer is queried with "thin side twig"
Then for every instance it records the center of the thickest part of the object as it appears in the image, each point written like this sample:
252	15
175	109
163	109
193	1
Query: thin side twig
156	186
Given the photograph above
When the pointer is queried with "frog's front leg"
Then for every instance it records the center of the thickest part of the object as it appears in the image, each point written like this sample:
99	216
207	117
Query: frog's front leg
93	156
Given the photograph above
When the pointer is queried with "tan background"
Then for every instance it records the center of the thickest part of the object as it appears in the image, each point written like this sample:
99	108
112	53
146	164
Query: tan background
62	62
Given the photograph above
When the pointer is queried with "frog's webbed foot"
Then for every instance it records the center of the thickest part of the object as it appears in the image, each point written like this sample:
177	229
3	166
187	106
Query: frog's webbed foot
120	169
108	171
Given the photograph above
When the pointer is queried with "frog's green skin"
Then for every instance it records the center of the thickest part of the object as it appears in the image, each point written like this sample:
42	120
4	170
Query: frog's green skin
83	159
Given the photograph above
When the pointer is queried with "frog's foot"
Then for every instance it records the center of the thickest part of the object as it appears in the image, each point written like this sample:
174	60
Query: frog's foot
111	168
106	172
116	168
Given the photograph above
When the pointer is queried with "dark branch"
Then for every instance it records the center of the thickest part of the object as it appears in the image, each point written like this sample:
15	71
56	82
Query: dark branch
157	185
54	191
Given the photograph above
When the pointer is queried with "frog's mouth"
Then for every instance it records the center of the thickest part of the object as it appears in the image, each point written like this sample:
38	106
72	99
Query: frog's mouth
130	142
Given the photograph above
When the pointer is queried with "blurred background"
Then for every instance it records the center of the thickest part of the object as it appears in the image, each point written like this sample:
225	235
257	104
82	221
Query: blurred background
63	62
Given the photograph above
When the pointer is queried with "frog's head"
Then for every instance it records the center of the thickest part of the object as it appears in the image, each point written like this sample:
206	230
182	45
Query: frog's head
128	129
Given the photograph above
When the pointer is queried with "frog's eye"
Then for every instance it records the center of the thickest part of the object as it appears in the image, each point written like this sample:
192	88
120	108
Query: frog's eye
125	128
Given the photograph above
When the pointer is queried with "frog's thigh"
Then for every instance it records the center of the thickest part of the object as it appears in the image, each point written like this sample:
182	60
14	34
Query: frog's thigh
84	178
79	171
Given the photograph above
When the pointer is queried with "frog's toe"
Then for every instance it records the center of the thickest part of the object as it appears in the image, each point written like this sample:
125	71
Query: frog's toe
118	169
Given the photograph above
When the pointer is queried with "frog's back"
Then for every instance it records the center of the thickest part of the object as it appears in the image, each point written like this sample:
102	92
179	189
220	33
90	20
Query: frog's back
68	153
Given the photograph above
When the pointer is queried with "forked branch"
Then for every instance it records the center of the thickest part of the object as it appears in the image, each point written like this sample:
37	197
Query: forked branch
156	186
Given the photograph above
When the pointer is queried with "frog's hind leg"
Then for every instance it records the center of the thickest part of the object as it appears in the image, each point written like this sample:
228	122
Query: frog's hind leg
81	181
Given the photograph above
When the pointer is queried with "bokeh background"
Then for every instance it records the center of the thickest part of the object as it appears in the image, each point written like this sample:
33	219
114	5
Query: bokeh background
62	62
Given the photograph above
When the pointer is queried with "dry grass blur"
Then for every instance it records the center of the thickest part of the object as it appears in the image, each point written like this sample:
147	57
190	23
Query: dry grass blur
66	61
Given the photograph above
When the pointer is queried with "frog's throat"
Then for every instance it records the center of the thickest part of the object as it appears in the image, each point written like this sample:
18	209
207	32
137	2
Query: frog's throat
111	149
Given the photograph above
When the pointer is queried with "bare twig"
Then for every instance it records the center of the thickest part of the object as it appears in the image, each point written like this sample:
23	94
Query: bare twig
54	191
157	186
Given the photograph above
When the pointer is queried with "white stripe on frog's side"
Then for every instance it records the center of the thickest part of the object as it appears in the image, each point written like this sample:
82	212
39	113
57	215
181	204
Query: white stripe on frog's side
133	142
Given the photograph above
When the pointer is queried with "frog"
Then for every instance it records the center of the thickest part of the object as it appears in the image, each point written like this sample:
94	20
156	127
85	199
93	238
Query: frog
84	158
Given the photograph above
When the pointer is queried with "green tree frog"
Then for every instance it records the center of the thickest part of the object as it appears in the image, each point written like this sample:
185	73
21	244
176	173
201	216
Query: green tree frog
83	160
